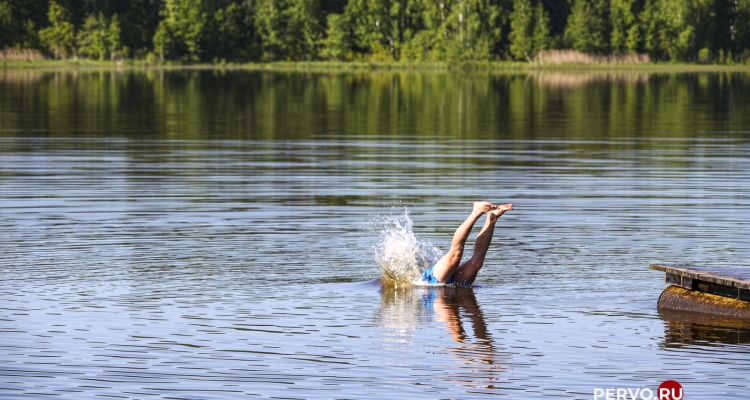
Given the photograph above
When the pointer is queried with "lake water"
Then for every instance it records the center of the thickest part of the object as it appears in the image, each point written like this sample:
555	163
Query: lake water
212	234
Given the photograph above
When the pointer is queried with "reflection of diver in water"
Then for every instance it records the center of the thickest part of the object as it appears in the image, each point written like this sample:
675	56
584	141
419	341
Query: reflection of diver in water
404	308
450	269
449	303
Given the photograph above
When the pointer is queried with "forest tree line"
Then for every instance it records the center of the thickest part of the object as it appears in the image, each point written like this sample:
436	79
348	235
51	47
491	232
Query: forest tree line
376	30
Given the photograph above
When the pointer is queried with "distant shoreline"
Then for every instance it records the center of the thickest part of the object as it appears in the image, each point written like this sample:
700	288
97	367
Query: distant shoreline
372	66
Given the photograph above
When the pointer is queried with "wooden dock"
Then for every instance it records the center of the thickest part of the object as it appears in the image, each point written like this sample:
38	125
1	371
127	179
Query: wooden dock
718	291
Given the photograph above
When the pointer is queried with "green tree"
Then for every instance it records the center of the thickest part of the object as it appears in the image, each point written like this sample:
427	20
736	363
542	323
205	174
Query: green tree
100	37
139	20
18	21
289	29
529	30
380	24
114	38
457	29
676	29
162	40
476	27
558	12
231	33
587	26
337	43
29	36
741	29
60	35
8	25
93	38
541	33
180	31
632	43
623	37
675	33
649	27
521	30
306	24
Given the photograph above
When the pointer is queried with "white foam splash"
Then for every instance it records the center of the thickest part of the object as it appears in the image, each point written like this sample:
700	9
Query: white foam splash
401	255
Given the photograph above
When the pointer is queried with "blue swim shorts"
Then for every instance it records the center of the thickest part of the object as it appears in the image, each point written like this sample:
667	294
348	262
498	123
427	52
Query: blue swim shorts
428	277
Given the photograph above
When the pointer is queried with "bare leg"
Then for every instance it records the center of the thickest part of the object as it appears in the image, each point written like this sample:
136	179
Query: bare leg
449	263
467	272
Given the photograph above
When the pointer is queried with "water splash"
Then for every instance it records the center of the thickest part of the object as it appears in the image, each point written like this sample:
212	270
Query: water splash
401	255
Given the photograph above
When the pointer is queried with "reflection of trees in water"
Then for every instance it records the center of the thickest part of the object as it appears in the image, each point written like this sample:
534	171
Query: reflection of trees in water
572	80
208	104
682	329
21	76
405	309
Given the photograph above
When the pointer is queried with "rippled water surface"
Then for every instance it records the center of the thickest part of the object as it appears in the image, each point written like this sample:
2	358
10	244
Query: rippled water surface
210	234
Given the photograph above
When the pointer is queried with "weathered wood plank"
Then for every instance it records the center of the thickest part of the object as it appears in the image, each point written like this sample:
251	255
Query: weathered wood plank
737	277
728	282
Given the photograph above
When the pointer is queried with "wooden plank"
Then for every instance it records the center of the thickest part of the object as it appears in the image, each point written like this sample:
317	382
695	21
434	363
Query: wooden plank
678	280
672	279
688	283
738	277
727	282
658	267
713	288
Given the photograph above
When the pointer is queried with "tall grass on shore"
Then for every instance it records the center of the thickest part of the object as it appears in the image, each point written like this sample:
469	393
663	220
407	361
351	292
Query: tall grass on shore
561	57
11	54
